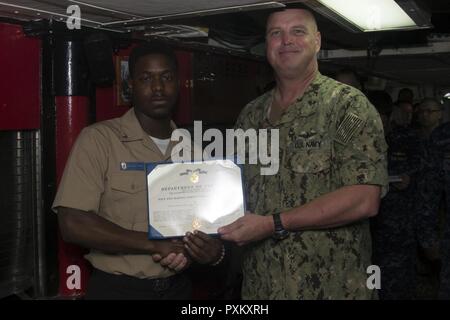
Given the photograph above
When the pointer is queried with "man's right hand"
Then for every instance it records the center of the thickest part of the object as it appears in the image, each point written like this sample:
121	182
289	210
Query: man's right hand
249	228
171	254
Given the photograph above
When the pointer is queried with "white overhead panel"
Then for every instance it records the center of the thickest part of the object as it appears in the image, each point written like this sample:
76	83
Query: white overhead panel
373	15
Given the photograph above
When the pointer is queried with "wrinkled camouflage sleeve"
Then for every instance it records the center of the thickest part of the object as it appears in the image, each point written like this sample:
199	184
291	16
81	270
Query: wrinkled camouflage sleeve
360	146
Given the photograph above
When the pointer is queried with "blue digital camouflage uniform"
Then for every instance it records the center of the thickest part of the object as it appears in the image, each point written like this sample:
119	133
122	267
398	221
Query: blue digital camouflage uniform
427	196
394	245
439	178
329	138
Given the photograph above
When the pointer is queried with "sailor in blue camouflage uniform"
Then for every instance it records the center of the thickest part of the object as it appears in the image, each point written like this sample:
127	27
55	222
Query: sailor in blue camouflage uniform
439	178
429	116
394	246
429	196
307	235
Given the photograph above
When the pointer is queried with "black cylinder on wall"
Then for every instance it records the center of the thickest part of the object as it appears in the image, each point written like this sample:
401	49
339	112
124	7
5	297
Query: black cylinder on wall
16	211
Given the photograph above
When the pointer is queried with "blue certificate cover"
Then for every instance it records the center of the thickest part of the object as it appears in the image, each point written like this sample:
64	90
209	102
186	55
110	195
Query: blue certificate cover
191	196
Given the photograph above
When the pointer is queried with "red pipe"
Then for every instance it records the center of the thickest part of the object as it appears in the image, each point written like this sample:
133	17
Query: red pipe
72	115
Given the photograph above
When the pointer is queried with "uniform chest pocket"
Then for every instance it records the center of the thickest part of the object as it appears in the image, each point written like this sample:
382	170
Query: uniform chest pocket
308	152
308	176
129	198
127	184
311	161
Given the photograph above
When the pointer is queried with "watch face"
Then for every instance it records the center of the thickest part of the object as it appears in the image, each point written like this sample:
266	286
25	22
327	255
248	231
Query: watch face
281	234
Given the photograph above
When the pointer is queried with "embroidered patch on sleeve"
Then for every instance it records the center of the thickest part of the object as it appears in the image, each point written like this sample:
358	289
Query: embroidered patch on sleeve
348	127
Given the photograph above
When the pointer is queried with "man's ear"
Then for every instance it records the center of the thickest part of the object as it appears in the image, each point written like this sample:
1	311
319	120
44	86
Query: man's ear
318	41
130	83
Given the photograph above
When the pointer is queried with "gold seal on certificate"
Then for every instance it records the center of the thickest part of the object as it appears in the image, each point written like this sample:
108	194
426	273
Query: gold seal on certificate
191	196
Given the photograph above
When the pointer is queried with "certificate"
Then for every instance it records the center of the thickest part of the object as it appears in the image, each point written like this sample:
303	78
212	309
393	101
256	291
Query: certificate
191	196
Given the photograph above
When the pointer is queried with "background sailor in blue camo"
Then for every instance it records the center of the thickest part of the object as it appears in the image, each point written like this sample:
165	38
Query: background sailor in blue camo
394	245
439	177
429	193
429	198
331	177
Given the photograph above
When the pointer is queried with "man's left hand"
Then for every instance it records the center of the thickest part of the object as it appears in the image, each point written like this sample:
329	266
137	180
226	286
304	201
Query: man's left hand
202	248
249	228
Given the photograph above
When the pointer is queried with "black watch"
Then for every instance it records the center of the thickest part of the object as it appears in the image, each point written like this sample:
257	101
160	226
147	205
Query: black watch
280	232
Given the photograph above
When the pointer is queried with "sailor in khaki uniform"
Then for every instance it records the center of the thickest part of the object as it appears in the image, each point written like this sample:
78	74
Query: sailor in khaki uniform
102	203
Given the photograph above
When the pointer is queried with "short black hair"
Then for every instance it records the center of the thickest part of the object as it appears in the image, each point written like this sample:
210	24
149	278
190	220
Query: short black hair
382	101
153	47
404	91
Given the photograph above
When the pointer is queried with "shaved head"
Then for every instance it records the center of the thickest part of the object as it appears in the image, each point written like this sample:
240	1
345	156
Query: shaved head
309	17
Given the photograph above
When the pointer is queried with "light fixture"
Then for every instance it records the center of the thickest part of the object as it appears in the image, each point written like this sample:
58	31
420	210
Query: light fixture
373	15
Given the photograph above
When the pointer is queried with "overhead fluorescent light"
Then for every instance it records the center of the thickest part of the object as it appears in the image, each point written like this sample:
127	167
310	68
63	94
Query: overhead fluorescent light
373	15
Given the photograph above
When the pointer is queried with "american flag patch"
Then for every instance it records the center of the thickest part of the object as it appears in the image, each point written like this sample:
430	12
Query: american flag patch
348	127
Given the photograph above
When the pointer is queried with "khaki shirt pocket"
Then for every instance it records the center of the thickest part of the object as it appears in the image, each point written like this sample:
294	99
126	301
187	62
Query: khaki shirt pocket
128	198
126	184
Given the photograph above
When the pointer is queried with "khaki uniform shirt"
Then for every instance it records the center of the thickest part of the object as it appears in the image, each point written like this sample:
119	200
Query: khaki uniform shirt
329	138
94	182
